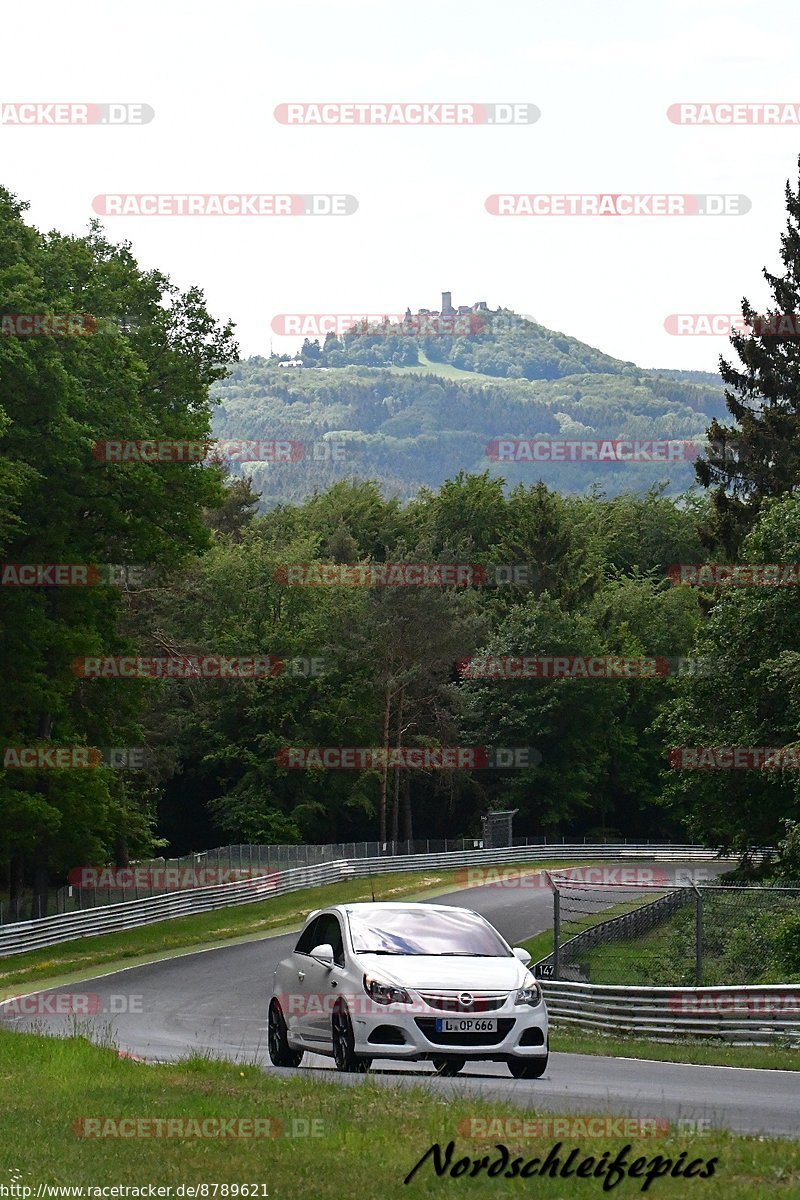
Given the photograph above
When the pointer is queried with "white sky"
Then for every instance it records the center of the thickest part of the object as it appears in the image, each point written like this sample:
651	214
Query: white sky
603	75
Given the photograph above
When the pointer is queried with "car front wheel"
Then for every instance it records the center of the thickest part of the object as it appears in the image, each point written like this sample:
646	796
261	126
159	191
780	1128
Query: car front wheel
528	1068
344	1041
448	1066
280	1052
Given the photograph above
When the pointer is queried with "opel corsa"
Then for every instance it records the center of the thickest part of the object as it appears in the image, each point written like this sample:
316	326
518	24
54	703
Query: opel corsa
407	981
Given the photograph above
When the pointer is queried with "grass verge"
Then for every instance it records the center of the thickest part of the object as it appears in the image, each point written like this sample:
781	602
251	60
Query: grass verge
541	944
702	1051
323	1140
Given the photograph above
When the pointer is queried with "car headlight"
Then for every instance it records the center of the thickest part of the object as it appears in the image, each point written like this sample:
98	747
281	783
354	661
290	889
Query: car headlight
385	993
530	994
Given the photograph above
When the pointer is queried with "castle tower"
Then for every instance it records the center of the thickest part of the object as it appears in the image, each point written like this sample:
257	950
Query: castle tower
447	304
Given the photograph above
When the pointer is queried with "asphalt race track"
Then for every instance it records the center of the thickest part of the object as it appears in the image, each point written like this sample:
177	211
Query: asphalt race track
216	1001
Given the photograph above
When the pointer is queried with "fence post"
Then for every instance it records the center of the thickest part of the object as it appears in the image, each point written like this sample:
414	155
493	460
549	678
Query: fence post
556	932
698	936
556	924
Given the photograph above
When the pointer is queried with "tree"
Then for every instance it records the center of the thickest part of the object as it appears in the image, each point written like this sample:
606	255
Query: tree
61	396
759	456
749	698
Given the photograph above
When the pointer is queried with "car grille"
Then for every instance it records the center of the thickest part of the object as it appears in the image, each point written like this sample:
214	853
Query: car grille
427	1025
450	1002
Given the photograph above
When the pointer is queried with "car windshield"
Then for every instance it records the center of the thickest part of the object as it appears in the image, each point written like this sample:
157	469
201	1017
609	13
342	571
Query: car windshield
423	931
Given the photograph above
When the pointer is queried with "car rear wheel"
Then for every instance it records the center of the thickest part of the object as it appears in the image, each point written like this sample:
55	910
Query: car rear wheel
528	1068
344	1041
448	1066
280	1052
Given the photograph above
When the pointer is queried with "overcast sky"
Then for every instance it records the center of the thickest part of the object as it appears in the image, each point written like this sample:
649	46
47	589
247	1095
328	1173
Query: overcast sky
602	74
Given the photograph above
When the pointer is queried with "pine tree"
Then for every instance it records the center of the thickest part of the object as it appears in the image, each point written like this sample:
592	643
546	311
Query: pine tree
759	455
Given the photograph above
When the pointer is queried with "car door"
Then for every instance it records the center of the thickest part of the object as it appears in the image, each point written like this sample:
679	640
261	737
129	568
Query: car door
322	985
295	1002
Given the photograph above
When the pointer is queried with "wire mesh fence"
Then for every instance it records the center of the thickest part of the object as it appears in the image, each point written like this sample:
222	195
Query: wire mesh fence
676	931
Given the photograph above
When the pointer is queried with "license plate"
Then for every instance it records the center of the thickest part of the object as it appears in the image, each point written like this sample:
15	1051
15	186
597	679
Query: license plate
466	1025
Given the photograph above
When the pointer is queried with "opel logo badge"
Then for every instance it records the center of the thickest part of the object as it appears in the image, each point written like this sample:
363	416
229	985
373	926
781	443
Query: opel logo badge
466	1000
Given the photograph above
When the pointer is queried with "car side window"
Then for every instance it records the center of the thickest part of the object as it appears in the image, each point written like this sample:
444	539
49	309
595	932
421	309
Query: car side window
330	931
308	938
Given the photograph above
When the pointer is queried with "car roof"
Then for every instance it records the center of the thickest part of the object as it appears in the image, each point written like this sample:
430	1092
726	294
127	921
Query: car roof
379	906
366	906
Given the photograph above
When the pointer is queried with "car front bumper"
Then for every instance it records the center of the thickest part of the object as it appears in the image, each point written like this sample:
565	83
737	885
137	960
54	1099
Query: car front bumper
521	1032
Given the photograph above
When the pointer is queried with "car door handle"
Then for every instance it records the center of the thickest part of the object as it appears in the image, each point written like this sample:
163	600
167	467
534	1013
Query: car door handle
301	975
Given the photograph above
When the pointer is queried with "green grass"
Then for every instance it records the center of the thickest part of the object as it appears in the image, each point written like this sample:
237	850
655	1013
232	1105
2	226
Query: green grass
72	961
703	1051
541	944
446	370
367	1138
632	960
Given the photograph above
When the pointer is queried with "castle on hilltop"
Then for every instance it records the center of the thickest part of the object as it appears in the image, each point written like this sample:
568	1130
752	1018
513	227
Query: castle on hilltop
448	310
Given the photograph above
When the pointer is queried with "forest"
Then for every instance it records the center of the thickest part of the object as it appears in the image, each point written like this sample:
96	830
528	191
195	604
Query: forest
173	561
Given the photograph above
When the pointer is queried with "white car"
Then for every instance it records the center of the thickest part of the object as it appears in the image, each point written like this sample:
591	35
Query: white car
407	981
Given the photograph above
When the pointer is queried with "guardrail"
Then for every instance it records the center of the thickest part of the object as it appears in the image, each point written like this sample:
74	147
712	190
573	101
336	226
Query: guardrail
758	1015
115	918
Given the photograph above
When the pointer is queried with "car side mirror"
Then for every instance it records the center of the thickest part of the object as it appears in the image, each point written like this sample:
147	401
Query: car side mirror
324	955
522	955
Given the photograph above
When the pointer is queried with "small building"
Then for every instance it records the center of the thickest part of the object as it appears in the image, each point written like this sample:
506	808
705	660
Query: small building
497	828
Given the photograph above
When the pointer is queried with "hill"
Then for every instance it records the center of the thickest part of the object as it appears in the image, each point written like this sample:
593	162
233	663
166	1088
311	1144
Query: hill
411	408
